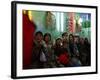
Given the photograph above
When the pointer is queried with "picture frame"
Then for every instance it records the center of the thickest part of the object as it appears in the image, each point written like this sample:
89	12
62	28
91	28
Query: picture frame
19	58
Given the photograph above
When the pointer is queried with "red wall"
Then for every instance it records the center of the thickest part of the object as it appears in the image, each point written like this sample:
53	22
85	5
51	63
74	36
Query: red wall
28	31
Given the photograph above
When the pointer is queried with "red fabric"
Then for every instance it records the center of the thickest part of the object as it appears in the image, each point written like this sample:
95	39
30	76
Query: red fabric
28	30
63	58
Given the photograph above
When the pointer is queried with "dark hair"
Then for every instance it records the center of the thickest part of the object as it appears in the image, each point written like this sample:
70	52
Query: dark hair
47	34
64	34
71	35
39	32
58	39
86	40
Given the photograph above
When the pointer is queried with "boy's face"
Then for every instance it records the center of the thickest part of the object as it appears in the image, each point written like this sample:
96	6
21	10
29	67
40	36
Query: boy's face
71	38
65	37
59	42
39	37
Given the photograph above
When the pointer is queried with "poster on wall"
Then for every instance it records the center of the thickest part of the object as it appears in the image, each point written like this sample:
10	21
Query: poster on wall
53	39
